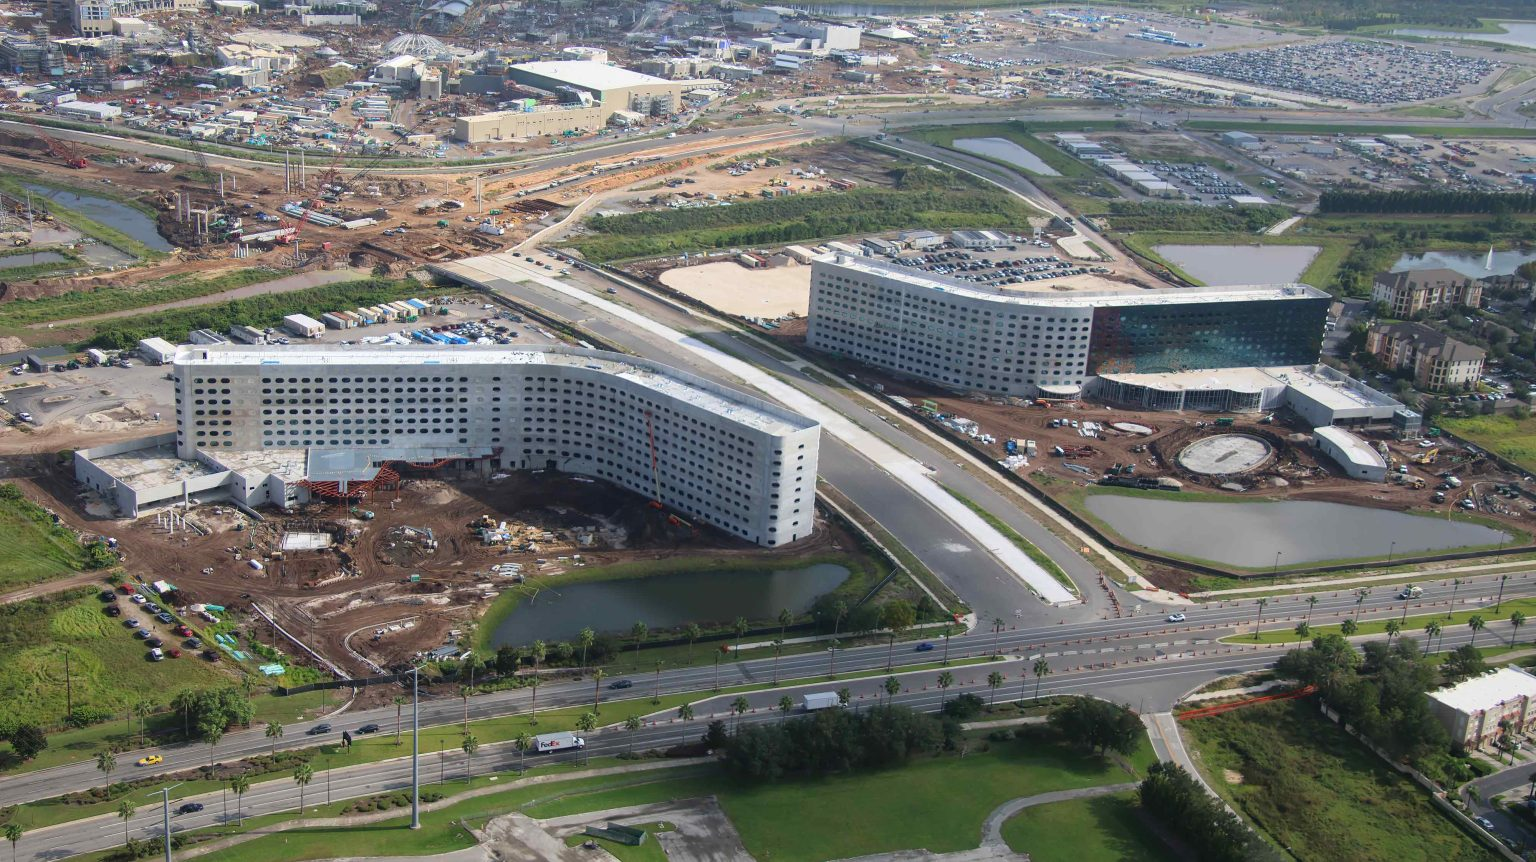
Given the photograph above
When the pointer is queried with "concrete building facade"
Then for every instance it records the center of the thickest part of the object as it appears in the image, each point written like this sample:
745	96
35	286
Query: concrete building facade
1034	342
1472	710
1438	361
278	421
1410	291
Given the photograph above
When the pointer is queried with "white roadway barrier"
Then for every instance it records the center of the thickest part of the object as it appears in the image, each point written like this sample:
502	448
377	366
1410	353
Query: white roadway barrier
904	468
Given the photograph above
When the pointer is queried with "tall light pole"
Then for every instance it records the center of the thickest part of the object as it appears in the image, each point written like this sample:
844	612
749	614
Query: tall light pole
165	816
1500	601
415	748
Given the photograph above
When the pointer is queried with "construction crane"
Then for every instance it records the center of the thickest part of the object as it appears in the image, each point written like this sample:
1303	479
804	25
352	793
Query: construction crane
61	151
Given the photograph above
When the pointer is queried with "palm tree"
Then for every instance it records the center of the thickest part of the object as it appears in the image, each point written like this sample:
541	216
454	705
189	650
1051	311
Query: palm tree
786	705
143	709
274	729
13	835
538	651
692	632
597	688
685	714
1349	627
1311	603
740	707
1303	629
585	640
832	646
839	610
1042	670
844	695
946	679
1431	629
1394	628
239	785
740	628
1455	586
533	684
586	722
1259	620
302	776
522	742
399	701
1516	620
1531	794
1476	624
997	628
632	724
892	688
212	736
656	691
464	695
638	631
994	682
785	618
778	650
105	763
470	746
1360	597
126	810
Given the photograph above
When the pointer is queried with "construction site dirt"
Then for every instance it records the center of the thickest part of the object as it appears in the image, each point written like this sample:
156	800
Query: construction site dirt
405	572
1069	456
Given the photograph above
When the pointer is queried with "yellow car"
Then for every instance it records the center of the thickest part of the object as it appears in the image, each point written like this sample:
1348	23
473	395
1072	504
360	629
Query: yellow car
151	760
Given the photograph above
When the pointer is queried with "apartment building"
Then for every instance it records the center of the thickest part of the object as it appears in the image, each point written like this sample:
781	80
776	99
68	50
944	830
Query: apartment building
1438	361
1410	291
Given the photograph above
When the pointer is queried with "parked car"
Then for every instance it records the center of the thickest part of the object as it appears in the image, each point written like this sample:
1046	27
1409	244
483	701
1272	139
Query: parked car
138	599
156	654
165	617
150	760
143	634
107	596
192	643
113	610
131	623
190	808
210	655
1176	618
1484	822
173	653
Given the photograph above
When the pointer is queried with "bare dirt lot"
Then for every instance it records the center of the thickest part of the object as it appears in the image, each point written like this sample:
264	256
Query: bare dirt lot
770	293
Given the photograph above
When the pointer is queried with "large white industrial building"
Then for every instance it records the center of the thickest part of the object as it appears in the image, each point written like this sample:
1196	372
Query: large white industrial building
280	425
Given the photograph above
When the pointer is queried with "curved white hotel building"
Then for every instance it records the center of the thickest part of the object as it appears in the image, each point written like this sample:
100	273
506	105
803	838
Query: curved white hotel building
1050	340
274	420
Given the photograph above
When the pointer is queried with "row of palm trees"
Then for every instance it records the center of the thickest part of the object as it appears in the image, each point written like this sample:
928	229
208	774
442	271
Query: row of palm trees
1432	629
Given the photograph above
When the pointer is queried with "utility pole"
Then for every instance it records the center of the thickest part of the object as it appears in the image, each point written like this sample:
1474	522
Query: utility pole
165	816
415	748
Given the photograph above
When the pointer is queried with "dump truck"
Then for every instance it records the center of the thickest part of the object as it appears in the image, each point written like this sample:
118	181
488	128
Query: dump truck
563	741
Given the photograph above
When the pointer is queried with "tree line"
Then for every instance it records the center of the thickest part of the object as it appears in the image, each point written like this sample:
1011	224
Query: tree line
1430	201
833	741
1151	215
1214	833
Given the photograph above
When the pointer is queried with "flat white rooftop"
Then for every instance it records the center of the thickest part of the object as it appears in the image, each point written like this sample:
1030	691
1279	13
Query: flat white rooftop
151	466
1487	691
1067	298
708	396
1334	394
585	73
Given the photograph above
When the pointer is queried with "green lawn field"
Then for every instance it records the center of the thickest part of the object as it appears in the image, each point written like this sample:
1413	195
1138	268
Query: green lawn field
1099	829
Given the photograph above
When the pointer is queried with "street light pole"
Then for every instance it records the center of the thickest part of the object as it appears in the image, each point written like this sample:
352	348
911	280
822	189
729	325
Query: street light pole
416	748
1500	600
165	816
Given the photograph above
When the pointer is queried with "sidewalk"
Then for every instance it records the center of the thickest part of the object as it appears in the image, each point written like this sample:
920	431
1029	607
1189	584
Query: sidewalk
1432	574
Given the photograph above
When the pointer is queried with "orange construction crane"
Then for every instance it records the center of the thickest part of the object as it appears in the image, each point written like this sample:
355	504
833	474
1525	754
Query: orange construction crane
62	151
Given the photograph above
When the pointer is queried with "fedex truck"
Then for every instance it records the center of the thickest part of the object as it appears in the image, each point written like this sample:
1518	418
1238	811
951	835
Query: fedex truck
562	741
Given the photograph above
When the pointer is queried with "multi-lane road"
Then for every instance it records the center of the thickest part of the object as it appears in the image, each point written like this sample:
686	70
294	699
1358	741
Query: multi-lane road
1144	662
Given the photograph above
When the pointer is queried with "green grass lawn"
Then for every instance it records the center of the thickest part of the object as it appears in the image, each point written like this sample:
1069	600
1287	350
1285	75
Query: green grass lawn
109	299
108	668
1505	436
938	803
34	550
1099	829
1312	788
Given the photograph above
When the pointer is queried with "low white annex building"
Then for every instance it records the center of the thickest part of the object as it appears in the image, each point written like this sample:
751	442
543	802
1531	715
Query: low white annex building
281	425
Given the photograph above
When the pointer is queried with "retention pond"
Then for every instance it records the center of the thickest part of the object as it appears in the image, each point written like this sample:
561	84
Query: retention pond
559	613
1249	534
113	214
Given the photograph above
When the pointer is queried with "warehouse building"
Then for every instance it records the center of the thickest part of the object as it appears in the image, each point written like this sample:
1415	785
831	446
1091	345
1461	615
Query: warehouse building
1049	342
285	425
1472	710
594	95
530	121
